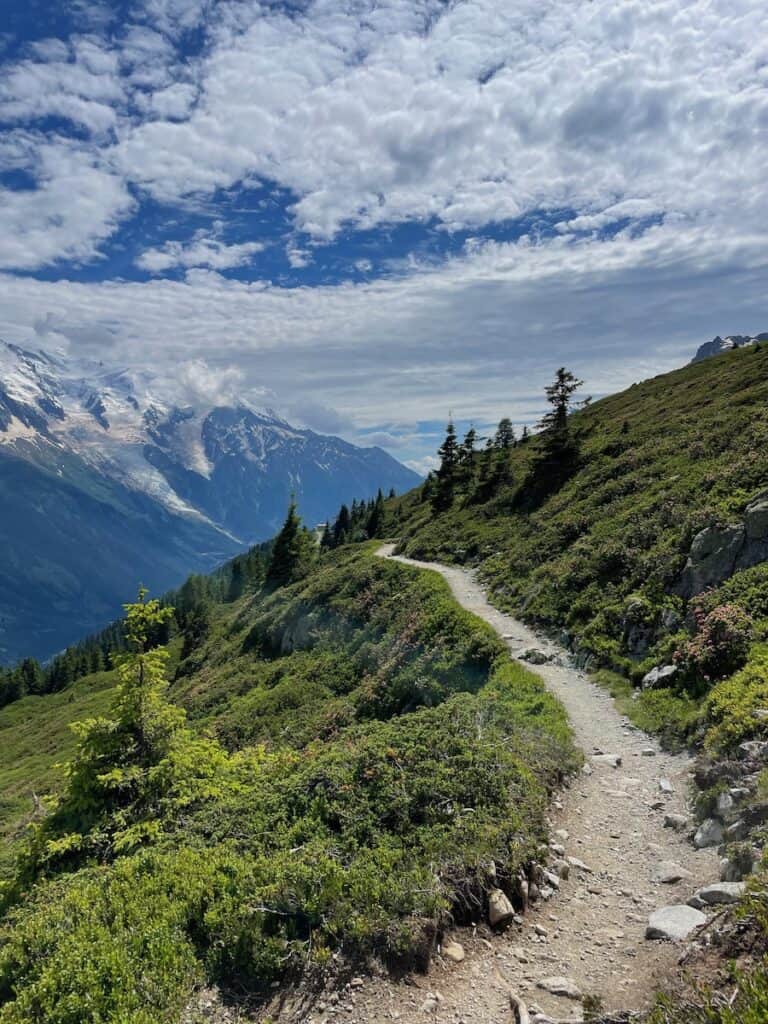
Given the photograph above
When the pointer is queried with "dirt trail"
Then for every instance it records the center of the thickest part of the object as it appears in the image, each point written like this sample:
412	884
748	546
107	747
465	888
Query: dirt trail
592	931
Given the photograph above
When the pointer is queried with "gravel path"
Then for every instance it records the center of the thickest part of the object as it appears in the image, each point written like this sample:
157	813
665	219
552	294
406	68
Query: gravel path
593	931
614	820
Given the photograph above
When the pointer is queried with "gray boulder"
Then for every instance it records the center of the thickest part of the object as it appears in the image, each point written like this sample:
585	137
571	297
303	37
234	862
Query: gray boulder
709	833
674	923
717	893
534	656
678	822
659	676
558	986
668	872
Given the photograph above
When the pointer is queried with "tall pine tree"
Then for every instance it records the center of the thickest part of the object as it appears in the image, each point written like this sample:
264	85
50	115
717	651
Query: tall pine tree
292	552
450	456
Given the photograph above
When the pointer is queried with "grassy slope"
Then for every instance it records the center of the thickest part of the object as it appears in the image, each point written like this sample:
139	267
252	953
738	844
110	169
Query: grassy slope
601	555
35	736
388	763
599	559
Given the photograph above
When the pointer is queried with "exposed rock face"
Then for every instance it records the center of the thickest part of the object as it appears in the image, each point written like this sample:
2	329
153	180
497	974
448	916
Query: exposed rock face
717	552
674	923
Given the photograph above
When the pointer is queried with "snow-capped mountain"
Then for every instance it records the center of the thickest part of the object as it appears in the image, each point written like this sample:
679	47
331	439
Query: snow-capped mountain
104	485
718	344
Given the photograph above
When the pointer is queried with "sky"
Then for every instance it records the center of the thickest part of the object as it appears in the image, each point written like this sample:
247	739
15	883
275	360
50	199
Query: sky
372	214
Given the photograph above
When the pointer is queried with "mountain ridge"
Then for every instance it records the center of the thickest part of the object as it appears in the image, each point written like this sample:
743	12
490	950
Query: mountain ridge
98	462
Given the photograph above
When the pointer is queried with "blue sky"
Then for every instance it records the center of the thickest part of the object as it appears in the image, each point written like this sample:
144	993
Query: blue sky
368	214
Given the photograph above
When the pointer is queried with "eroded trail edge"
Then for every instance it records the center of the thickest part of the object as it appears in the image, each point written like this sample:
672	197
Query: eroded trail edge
613	820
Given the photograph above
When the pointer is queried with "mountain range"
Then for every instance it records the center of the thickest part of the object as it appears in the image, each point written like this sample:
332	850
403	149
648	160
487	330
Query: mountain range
103	485
718	344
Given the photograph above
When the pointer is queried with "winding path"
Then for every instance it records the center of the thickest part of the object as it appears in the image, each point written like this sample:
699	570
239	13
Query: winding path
613	821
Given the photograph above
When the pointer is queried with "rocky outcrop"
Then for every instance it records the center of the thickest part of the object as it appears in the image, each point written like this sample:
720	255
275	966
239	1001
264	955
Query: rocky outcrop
717	552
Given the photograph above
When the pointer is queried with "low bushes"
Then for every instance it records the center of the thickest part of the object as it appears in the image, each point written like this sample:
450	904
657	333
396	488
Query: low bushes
362	838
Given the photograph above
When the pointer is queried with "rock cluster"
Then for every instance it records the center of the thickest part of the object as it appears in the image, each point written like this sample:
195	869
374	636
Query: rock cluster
717	552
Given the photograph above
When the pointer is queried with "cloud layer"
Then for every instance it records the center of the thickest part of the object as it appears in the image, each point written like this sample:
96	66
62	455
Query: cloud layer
638	130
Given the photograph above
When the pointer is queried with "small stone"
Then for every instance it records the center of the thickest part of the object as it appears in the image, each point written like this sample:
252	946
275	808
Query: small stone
678	822
559	986
667	872
500	910
613	760
579	865
454	951
648	752
665	786
534	656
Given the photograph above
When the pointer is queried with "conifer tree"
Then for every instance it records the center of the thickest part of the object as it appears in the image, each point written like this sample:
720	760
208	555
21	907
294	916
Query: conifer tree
375	524
559	450
236	587
292	551
559	395
342	526
505	434
447	473
133	766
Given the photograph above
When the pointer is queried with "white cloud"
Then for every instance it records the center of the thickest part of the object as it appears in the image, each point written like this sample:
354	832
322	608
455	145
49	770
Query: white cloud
297	257
318	416
200	252
375	112
379	111
424	465
480	335
76	205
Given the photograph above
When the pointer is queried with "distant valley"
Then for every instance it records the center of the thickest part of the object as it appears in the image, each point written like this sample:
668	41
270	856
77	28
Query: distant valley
103	486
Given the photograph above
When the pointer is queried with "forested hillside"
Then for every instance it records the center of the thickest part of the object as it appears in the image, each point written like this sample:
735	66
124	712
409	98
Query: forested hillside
348	757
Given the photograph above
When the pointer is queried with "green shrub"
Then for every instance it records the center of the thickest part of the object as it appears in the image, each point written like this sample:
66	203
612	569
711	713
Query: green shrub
730	707
416	776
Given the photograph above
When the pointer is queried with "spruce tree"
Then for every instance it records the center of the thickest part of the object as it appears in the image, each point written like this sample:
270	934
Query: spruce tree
292	551
132	769
447	473
342	526
376	517
559	395
505	434
559	450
